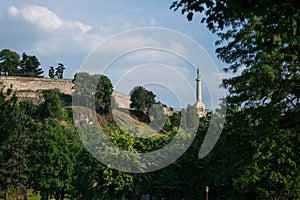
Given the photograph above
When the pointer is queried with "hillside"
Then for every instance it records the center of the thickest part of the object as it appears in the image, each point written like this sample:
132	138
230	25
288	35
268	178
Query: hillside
127	122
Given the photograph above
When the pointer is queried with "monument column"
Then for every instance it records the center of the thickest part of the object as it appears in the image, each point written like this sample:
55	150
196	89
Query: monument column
199	104
198	88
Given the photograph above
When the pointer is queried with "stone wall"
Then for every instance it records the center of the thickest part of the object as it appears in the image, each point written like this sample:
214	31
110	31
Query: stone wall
122	100
31	87
36	84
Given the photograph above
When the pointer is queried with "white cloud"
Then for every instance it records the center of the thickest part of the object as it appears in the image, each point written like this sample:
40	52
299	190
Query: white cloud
153	23
56	35
177	48
13	10
83	27
40	16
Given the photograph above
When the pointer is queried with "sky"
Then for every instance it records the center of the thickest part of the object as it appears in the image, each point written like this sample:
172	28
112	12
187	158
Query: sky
132	42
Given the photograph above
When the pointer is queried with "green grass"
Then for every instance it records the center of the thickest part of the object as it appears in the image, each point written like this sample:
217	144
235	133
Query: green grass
33	196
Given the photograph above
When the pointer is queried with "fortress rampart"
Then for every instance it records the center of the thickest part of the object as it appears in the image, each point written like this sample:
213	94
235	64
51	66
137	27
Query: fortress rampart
31	87
32	84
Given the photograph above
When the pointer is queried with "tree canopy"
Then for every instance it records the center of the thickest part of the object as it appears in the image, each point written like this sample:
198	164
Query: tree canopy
9	62
93	91
60	71
262	39
141	99
103	96
30	66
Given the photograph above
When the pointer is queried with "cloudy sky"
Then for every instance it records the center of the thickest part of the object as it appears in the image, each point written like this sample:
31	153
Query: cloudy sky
132	42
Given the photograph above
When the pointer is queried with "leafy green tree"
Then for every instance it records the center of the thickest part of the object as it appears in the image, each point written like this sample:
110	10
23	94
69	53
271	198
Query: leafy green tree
158	117
261	38
52	162
51	72
84	86
101	181
93	91
141	99
86	168
59	70
29	108
14	166
103	96
51	107
7	102
30	66
9	62
15	127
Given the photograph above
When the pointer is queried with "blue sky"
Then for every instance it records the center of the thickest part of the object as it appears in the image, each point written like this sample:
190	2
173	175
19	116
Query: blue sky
72	31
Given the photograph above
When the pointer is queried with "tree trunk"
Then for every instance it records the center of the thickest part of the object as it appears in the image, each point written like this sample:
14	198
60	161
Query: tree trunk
62	195
56	195
5	194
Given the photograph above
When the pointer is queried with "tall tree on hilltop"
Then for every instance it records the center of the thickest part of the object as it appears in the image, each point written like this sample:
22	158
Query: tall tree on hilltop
60	71
103	96
141	99
9	62
93	91
51	72
261	38
30	66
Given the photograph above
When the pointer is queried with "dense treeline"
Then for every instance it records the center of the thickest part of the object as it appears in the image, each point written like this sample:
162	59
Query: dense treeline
40	150
260	140
12	64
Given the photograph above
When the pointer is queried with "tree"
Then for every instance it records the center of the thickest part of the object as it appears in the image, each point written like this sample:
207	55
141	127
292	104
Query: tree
15	127
51	107
30	66
7	102
141	99
262	38
93	91
158	117
52	162
103	96
9	62
51	72
60	70
84	87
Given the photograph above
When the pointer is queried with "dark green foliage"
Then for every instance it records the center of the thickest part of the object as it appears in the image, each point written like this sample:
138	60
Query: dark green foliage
59	71
29	108
30	66
9	62
103	96
141	99
261	135
85	88
93	91
12	65
7	103
51	107
51	72
189	117
52	159
158	117
55	163
15	127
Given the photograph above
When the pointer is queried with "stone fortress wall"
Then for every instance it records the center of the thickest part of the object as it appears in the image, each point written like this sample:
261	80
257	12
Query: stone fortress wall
31	87
33	84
